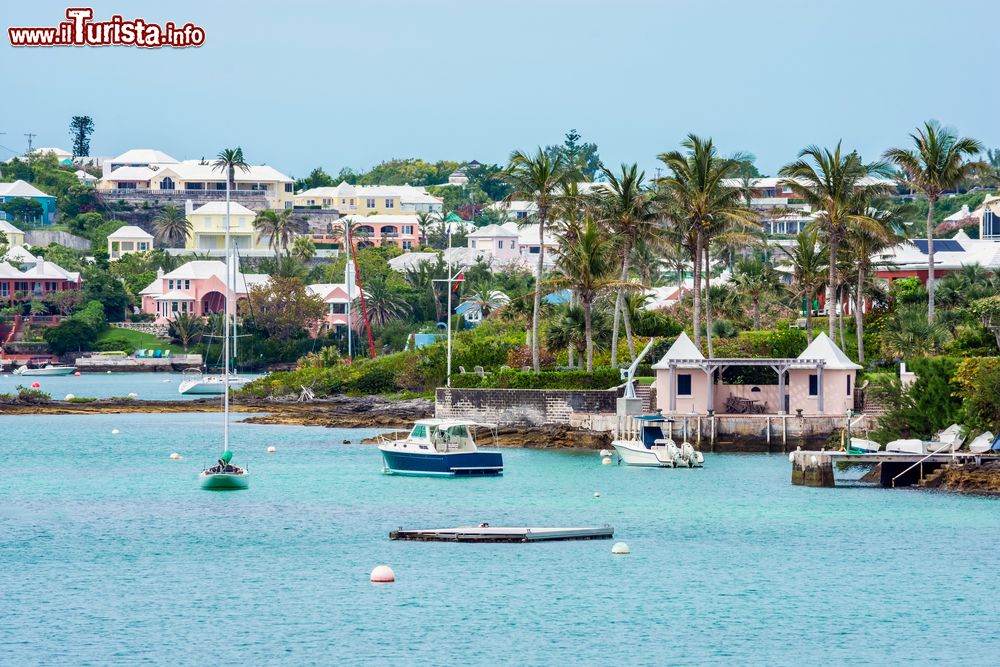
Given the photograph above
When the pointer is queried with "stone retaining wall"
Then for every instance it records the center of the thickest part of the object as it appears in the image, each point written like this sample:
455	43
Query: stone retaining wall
531	407
158	330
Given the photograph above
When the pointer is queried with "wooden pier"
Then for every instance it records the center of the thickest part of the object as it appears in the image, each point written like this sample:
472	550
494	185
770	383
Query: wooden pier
816	468
509	534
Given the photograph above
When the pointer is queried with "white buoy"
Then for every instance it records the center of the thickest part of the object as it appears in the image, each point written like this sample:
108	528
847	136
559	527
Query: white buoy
109	372
166	381
132	394
70	397
620	549
383	574
175	456
597	494
272	449
605	452
606	461
115	431
813	460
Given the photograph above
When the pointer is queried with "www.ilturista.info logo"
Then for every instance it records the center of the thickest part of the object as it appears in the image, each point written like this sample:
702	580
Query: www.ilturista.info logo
80	30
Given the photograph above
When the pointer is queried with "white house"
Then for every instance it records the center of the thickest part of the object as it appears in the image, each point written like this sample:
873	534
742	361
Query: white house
128	239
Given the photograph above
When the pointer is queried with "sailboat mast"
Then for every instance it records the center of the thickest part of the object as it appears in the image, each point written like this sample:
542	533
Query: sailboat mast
225	337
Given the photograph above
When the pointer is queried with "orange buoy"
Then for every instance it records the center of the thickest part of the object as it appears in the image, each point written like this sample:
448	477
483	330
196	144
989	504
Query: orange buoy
35	385
77	374
383	574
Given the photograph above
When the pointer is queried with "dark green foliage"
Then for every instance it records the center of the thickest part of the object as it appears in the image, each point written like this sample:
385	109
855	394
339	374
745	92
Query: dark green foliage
77	332
26	395
925	407
99	286
650	323
80	129
978	380
22	210
114	344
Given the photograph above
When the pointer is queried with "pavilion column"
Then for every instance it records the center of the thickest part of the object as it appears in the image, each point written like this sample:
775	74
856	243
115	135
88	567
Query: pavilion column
710	375
672	390
781	390
819	387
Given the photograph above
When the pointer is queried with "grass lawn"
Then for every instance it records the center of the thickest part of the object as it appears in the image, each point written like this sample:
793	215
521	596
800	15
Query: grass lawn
140	340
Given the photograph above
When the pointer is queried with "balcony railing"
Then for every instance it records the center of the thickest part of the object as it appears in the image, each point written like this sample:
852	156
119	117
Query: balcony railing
150	193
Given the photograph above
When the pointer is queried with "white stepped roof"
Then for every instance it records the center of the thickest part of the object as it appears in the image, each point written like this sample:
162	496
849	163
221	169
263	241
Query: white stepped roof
219	208
130	232
8	228
682	348
408	194
494	230
18	253
824	349
143	156
21	189
325	291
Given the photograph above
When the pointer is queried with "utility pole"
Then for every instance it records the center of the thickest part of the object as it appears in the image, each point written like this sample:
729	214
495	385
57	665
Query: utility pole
30	135
348	275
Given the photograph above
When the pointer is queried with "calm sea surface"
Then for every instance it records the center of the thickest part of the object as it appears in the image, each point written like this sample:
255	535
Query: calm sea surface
148	386
109	554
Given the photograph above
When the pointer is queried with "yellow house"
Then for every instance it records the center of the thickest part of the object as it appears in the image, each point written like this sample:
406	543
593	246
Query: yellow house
208	227
370	199
14	235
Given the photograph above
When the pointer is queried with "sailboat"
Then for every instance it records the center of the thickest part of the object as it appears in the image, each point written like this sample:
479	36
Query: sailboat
224	476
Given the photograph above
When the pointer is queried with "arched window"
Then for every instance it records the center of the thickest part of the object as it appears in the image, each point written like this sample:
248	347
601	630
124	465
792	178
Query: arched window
167	184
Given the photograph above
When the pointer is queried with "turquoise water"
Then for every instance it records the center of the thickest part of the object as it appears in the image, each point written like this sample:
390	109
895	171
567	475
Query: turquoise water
149	386
109	554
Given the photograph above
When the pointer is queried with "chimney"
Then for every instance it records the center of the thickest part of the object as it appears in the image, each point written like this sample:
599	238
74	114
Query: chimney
188	207
159	273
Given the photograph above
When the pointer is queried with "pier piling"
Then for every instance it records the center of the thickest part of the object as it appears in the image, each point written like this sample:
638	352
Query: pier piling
812	469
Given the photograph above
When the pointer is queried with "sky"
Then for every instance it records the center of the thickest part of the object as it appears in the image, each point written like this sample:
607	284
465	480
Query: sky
301	83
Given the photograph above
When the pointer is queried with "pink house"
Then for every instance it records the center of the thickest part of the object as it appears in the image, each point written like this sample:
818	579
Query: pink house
335	297
383	229
196	287
820	381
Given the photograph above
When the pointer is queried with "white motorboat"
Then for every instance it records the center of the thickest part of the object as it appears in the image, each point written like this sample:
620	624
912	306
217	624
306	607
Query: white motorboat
46	370
208	385
983	443
864	445
906	446
640	442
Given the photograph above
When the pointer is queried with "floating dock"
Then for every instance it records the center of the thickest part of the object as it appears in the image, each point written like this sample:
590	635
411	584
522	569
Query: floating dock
487	533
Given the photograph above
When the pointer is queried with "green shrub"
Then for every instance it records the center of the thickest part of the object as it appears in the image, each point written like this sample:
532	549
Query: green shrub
373	379
978	380
28	395
114	344
925	407
81	399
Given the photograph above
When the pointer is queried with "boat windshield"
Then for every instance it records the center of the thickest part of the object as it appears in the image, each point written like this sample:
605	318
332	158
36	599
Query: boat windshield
453	438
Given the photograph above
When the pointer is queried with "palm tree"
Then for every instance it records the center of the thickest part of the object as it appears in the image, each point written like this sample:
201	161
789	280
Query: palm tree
539	178
304	249
696	201
424	221
936	163
485	301
863	244
186	328
586	265
625	208
384	304
279	227
909	334
833	184
808	264
171	227
757	283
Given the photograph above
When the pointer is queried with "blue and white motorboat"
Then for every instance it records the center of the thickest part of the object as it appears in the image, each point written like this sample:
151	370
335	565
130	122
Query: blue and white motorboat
439	448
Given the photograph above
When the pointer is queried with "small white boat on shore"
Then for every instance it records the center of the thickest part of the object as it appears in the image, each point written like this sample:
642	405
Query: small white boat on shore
983	443
48	370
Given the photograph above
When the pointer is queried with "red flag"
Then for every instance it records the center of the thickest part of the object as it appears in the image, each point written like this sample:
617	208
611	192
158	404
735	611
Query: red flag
459	278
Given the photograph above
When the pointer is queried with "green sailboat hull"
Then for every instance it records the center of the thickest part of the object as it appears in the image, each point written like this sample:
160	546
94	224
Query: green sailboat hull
224	482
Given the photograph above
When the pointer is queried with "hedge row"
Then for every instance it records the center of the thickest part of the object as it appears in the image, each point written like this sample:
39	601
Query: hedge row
601	378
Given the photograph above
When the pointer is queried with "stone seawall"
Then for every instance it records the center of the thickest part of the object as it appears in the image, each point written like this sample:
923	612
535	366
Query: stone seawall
158	330
529	407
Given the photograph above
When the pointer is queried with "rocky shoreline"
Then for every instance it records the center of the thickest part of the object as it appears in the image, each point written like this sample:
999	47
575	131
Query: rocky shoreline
333	412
